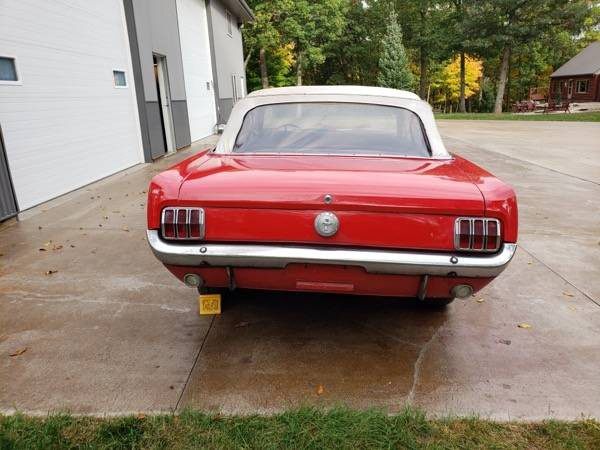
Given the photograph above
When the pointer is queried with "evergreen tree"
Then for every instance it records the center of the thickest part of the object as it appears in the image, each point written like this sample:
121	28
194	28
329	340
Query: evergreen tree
394	71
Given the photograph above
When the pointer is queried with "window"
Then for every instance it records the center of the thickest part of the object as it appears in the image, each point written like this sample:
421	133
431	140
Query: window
570	89
332	128
582	86
119	78
229	23
8	70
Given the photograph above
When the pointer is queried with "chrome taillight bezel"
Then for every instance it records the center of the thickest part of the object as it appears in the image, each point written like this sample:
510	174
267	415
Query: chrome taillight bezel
470	247
188	215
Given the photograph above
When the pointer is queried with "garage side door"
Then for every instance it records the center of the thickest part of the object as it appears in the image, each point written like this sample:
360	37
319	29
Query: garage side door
66	124
8	205
197	68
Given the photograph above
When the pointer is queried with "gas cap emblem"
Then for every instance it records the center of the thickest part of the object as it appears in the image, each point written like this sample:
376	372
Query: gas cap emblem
327	224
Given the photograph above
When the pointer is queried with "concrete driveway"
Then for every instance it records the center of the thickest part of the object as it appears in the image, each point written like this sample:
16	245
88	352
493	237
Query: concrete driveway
111	332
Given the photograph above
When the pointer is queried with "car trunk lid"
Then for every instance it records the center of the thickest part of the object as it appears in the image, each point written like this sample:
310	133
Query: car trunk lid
400	185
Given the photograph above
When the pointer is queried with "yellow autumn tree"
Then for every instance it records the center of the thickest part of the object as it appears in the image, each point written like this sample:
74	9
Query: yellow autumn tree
445	84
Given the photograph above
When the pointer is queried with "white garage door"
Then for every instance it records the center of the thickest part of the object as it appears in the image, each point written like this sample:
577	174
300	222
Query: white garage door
197	67
65	123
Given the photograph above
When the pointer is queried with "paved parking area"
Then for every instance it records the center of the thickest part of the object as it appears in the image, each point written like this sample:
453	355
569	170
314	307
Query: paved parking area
106	330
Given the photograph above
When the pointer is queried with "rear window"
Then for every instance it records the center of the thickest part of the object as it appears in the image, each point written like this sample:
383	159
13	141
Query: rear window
332	128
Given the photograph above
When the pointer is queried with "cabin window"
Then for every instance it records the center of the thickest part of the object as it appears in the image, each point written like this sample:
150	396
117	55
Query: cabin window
582	86
332	128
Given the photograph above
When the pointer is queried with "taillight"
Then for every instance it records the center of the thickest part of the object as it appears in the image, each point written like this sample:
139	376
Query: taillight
477	234
182	223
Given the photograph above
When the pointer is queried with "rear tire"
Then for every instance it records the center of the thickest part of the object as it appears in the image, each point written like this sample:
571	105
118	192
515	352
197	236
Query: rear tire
439	303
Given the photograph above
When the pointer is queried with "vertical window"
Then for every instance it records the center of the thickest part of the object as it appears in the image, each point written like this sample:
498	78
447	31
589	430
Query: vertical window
229	23
582	86
8	70
119	78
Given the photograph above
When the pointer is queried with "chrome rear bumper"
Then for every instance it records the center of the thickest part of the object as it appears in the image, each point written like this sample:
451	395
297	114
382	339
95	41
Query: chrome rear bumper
373	261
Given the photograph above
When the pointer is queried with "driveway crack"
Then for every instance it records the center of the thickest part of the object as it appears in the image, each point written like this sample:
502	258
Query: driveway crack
418	363
187	380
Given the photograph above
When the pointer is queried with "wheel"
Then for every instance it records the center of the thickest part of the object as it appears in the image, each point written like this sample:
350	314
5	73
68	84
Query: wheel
438	302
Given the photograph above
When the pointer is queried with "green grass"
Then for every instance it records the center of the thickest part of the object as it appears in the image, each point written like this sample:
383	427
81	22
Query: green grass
304	429
573	117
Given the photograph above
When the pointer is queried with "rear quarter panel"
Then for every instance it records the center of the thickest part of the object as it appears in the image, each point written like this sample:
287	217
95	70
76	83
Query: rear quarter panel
500	199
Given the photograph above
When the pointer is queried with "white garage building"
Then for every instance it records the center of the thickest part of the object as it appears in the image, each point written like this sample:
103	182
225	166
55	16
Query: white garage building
89	88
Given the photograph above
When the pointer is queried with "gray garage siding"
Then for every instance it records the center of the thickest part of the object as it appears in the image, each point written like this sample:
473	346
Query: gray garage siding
153	29
227	53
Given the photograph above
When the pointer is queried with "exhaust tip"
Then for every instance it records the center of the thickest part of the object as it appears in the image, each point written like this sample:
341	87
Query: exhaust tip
192	280
462	291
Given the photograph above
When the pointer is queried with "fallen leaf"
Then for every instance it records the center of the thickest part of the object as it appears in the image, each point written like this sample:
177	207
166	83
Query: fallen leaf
50	272
42	249
480	300
94	251
126	229
320	390
141	416
39	228
524	325
572	308
72	246
57	247
568	294
504	341
241	324
18	352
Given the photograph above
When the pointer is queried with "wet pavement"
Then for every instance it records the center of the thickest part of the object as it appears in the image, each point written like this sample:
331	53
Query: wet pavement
106	330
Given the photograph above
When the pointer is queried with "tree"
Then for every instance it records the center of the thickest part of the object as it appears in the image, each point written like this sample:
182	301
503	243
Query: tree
425	32
447	83
353	56
506	24
394	70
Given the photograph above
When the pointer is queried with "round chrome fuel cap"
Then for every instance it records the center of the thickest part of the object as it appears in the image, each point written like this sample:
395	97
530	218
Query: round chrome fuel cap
327	224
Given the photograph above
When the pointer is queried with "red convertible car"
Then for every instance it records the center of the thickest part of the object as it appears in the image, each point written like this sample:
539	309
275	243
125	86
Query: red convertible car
341	189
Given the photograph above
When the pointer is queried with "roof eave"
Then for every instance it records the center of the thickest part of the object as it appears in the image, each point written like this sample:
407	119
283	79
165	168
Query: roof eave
244	12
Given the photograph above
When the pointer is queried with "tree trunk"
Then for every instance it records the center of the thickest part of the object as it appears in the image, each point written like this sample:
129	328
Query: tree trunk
462	107
247	58
502	81
299	70
423	63
508	85
264	75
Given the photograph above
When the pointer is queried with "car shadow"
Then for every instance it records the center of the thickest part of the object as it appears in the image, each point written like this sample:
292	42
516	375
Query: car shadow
269	351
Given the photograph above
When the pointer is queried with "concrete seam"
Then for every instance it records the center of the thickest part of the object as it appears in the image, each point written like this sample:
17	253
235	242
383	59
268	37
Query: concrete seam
194	364
585	294
524	161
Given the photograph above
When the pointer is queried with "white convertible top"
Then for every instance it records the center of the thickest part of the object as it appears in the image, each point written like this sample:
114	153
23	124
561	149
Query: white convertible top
340	94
